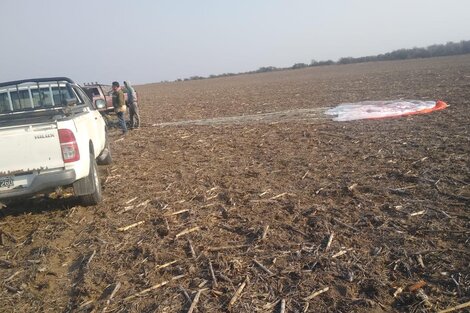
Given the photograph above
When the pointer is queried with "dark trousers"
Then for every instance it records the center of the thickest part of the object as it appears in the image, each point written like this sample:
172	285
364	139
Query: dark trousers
122	122
134	115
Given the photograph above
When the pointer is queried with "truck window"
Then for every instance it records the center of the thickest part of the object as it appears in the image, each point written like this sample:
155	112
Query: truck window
50	96
95	91
4	102
84	97
106	89
60	95
20	99
17	98
45	97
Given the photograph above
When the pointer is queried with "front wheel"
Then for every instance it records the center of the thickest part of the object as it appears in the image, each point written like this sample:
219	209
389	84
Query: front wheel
94	184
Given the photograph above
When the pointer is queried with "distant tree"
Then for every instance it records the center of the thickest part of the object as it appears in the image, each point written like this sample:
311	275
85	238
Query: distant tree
266	69
299	65
328	62
450	48
465	46
346	60
418	53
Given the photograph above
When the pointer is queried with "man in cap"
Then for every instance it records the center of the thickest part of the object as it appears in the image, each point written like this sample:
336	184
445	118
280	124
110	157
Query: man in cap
119	104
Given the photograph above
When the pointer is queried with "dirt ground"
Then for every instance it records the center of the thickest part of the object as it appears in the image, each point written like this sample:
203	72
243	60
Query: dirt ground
240	195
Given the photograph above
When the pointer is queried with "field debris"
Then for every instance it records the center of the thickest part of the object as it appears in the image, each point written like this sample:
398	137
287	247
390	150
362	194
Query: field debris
187	231
143	292
195	301
165	265
457	307
316	293
264	268
111	296
176	213
130	226
238	293
252	200
214	279
329	241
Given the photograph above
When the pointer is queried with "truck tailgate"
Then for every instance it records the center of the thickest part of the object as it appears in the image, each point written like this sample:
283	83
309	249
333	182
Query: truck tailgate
29	148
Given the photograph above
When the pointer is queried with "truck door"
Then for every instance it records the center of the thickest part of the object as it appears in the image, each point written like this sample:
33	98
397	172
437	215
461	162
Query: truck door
93	122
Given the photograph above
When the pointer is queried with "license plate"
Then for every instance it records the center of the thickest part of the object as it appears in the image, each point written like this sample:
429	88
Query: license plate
6	182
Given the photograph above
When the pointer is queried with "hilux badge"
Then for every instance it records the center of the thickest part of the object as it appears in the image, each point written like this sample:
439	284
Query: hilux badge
43	136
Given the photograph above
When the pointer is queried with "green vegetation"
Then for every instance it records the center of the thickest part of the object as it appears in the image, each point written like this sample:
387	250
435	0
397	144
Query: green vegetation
450	48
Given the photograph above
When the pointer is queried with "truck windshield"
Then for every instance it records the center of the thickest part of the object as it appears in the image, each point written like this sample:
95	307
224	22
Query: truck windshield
33	96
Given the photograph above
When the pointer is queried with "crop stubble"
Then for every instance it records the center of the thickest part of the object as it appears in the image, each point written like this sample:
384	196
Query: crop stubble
292	212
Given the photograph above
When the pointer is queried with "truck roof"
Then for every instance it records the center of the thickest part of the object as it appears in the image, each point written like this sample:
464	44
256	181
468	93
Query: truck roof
37	80
95	85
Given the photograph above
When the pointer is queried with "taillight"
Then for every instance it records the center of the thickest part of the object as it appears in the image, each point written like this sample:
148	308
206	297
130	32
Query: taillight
69	146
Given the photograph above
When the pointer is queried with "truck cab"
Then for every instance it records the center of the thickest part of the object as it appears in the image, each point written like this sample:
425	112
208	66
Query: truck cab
102	92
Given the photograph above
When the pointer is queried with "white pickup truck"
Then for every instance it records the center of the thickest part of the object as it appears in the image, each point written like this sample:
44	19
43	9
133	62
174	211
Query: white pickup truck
51	135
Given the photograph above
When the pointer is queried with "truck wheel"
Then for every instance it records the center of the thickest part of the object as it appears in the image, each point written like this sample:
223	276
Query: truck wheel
95	197
105	157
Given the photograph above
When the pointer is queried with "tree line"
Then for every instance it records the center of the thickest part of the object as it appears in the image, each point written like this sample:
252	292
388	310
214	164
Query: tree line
450	48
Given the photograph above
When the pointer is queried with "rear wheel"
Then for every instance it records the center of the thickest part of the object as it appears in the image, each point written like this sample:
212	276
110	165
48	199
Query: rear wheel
105	157
94	183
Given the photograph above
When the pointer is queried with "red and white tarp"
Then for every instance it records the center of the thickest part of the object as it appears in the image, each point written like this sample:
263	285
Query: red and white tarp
383	109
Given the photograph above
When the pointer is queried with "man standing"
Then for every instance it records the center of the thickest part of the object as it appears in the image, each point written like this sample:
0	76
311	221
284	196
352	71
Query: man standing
119	105
132	103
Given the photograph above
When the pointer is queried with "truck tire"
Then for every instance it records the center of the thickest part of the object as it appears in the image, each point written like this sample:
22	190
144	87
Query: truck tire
95	197
105	157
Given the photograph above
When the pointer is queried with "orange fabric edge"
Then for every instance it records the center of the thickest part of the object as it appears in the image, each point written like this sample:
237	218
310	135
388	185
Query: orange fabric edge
440	105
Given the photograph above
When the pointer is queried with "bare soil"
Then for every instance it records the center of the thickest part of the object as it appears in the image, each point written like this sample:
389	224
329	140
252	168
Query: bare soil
278	199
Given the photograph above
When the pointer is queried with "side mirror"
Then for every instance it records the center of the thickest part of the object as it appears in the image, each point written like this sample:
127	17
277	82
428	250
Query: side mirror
100	104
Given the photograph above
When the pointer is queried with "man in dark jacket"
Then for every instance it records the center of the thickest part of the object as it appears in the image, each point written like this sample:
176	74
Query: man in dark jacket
119	104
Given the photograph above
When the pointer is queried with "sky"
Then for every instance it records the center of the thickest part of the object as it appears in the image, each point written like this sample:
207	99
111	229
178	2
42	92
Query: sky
147	41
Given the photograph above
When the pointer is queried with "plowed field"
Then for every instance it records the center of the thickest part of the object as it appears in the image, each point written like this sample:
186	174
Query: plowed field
240	195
